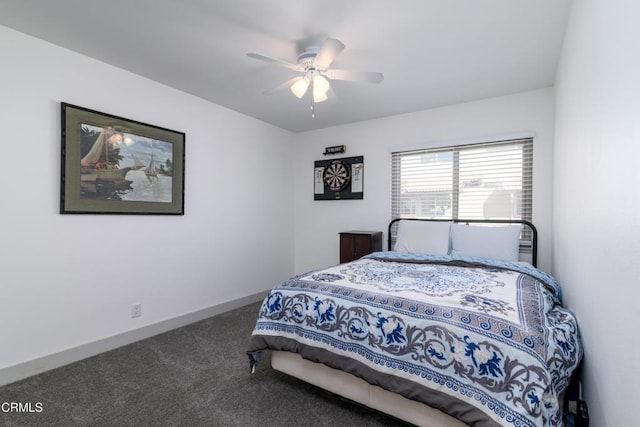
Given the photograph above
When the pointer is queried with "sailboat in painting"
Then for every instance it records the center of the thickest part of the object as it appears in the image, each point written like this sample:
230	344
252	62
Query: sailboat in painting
137	164
151	172
95	166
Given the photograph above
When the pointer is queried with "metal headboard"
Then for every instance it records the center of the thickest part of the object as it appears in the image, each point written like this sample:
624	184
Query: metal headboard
534	233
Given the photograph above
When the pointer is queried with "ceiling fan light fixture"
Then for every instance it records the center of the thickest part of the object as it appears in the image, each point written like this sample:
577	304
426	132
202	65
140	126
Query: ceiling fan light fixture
300	86
319	97
315	62
320	88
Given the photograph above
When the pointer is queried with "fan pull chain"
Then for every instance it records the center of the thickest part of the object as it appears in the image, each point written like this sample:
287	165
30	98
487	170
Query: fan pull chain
313	111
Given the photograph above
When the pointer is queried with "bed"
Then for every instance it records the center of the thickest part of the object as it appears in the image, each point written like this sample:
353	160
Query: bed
449	328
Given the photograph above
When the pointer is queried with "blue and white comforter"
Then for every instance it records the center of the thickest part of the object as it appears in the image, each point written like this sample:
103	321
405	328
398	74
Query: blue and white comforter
486	341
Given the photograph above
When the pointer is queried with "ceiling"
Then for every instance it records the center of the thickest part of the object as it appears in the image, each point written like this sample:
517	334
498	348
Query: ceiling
432	52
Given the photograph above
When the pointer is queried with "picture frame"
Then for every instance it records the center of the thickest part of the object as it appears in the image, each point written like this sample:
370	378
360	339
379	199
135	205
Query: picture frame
114	165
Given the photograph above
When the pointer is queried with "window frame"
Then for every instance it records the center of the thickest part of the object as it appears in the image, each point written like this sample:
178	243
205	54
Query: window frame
525	206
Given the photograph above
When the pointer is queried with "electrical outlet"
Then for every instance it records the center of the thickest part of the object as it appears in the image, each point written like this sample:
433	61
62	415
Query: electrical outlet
136	310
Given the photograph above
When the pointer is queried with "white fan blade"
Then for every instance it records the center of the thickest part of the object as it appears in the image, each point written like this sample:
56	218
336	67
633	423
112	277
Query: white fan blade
355	76
273	61
285	85
328	52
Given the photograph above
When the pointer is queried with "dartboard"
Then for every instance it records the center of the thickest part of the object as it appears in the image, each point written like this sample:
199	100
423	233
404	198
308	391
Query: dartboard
337	175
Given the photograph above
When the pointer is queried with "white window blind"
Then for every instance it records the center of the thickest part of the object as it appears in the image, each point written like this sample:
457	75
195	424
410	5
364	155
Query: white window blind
478	181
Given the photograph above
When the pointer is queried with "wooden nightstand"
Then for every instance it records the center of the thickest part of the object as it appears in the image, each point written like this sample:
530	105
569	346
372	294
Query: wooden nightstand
356	244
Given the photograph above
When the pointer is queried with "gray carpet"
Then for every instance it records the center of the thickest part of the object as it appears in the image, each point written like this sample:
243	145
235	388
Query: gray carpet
197	375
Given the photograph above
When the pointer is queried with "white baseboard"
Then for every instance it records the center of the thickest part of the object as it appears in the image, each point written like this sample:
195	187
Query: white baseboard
55	360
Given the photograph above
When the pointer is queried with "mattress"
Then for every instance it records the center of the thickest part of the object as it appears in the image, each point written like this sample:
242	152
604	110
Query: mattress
360	391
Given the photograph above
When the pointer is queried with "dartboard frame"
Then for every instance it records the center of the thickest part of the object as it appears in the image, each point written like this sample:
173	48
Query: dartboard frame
339	179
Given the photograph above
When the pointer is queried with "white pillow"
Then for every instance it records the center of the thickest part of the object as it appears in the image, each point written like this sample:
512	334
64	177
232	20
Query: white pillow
423	237
501	243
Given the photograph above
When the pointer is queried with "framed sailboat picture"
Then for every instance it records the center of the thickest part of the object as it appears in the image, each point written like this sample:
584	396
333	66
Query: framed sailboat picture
113	165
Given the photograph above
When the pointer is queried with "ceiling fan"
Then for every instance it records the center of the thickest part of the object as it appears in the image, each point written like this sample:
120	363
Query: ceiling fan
315	64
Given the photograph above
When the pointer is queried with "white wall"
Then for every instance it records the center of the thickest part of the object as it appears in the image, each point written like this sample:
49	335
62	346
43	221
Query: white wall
596	226
318	222
67	280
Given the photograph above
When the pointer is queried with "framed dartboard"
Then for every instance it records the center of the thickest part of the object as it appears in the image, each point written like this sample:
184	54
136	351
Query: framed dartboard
339	179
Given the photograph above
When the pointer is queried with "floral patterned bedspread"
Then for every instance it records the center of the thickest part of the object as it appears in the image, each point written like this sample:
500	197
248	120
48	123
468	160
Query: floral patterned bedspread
486	341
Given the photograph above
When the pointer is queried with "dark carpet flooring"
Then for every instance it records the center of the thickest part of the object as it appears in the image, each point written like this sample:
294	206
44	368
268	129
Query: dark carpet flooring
197	375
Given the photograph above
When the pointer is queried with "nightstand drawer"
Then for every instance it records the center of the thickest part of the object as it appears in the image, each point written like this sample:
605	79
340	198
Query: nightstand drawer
356	244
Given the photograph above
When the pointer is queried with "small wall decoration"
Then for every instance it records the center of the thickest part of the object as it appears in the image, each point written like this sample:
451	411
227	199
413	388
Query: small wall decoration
113	165
335	149
339	179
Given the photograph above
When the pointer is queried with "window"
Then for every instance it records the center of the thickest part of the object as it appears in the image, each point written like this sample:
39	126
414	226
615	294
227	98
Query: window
479	181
